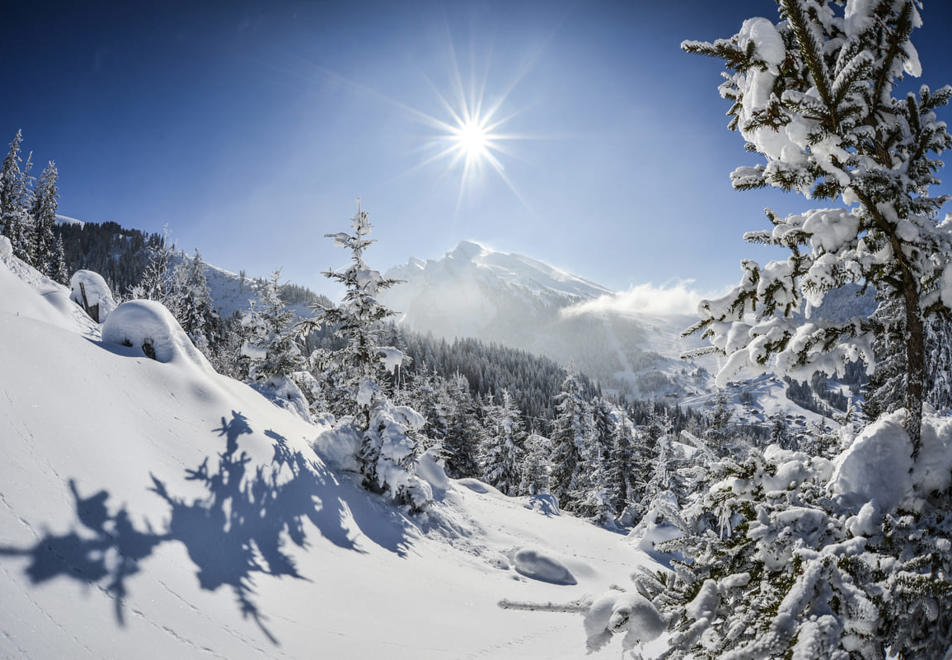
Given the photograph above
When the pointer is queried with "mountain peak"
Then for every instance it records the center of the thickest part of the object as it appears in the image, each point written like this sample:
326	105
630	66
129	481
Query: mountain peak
468	250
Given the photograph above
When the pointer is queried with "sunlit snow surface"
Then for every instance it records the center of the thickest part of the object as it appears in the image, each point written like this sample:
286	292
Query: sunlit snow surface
155	509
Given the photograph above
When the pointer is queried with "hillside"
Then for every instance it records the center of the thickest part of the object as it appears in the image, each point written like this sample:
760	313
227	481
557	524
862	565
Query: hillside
152	509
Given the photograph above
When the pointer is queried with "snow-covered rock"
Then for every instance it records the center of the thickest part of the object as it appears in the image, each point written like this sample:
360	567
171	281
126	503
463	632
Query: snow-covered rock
6	249
89	290
150	328
540	565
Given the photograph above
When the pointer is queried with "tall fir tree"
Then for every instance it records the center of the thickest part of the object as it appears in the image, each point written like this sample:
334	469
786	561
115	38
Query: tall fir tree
389	435
464	434
571	433
357	319
271	332
16	199
58	271
503	451
43	212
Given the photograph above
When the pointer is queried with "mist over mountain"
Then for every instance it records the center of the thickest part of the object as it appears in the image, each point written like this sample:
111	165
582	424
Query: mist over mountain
474	291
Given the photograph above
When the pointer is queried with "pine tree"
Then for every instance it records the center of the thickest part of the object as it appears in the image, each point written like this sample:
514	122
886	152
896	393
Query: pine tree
191	304
16	199
58	271
503	451
389	434
536	466
45	202
813	95
357	319
571	434
271	332
155	283
463	434
622	469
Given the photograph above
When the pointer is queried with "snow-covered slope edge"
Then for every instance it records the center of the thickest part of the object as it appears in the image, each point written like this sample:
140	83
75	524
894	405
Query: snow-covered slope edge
157	510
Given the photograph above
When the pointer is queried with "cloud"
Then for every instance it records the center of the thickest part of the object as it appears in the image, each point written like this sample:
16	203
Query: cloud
675	299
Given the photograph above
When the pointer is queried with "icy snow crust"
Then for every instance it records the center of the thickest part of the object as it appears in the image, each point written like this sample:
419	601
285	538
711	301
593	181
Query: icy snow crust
152	509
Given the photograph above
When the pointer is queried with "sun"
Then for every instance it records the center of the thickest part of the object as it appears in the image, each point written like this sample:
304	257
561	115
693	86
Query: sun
472	139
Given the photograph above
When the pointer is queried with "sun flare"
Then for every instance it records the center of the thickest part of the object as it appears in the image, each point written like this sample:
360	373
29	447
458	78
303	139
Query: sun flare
472	139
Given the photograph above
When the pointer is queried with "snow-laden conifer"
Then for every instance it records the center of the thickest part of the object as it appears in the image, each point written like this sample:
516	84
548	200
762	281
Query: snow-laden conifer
270	335
16	199
503	449
388	449
43	212
571	433
813	94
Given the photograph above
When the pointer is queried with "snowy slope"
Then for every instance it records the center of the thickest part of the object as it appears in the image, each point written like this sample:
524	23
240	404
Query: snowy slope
231	292
159	510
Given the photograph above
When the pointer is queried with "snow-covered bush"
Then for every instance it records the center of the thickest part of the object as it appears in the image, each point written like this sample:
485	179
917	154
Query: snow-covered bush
90	291
388	452
149	327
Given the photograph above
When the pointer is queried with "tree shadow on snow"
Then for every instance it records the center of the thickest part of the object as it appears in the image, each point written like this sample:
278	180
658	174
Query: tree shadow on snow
240	527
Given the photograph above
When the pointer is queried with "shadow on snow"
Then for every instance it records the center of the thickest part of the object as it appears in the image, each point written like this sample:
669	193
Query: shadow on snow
240	527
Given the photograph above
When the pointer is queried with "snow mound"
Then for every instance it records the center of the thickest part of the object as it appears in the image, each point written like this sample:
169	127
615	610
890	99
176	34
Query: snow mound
149	326
933	469
429	469
89	290
617	612
284	393
876	466
6	249
538	565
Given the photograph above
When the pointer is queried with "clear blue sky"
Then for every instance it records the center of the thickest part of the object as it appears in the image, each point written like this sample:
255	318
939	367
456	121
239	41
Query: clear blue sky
250	128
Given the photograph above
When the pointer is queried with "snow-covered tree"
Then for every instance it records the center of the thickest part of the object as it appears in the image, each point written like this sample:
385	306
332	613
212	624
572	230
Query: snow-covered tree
464	434
155	282
357	319
58	270
191	303
813	94
388	447
45	202
502	453
625	472
571	433
16	199
271	336
536	466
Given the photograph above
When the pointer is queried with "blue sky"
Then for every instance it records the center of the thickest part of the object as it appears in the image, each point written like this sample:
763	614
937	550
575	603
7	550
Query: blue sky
250	128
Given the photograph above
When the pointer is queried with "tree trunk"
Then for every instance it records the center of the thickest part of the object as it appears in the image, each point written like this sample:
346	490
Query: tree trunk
915	365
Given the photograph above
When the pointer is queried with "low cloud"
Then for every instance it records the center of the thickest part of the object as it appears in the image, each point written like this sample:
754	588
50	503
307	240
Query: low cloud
675	299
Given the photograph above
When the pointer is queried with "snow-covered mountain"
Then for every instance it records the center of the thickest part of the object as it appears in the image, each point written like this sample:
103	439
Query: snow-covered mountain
474	291
156	509
522	302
